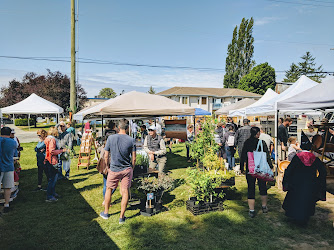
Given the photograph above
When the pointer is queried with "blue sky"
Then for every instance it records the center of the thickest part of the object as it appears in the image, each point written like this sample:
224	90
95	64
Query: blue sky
188	33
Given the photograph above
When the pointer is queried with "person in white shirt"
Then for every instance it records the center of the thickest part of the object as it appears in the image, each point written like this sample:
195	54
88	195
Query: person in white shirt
158	127
268	140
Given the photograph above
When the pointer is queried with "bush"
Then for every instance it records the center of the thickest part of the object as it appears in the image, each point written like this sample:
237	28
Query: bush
24	122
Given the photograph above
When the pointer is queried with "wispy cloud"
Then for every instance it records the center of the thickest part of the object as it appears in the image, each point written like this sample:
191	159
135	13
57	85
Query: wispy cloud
265	20
135	80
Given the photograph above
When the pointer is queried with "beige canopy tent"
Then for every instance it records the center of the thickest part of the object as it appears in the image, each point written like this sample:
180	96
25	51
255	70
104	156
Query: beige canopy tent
137	104
238	105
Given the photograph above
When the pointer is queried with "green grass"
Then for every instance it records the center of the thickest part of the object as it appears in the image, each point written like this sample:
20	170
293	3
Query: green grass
73	222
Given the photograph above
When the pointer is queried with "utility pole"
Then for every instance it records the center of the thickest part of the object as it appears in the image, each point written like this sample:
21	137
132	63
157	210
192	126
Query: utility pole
73	94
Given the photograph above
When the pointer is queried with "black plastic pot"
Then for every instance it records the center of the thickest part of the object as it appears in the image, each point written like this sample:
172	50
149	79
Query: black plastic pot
149	210
203	207
158	206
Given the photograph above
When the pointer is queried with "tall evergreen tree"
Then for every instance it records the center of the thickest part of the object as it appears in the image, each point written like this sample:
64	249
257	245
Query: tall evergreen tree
306	67
151	90
239	54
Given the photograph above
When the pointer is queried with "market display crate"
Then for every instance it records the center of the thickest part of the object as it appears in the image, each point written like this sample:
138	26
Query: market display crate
198	208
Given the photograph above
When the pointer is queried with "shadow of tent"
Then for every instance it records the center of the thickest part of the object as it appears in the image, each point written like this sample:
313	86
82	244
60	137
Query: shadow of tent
65	224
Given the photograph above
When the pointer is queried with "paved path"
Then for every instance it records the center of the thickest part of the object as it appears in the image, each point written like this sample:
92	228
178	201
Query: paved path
24	136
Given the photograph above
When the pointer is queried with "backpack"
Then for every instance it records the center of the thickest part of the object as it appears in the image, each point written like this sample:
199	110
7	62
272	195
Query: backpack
230	141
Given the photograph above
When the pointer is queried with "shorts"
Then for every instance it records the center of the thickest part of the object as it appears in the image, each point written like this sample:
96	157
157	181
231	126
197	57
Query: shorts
7	179
114	177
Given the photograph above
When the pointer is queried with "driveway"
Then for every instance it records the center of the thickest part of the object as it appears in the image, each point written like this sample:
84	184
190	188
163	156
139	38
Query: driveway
24	136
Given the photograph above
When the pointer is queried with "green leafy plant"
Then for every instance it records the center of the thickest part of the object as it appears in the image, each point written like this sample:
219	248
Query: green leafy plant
142	160
204	141
24	122
203	185
160	185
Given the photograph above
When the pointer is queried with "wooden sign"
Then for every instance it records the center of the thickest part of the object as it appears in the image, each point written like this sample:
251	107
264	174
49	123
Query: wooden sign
176	129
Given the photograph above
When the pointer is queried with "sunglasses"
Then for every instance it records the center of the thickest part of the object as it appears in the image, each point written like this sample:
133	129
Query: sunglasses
62	126
39	135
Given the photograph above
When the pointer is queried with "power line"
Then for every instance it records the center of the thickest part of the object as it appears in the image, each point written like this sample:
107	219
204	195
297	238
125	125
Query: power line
95	61
308	4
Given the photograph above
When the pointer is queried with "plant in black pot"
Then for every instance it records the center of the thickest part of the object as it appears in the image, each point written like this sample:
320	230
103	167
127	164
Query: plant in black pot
154	189
142	163
205	197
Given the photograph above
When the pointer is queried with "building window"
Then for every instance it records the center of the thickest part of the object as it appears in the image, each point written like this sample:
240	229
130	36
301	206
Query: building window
184	100
203	100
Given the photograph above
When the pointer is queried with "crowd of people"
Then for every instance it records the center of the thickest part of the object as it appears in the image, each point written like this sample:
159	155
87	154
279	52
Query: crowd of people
304	179
119	156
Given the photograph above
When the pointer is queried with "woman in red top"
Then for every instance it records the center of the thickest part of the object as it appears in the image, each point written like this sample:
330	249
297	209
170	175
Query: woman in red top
51	163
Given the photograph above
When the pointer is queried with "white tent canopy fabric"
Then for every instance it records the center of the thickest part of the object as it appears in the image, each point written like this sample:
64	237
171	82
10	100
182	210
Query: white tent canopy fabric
240	104
33	104
270	94
269	107
138	104
319	97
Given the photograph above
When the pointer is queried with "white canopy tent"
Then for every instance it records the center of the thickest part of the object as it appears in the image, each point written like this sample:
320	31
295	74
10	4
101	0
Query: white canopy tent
319	97
33	104
270	94
269	107
137	104
238	105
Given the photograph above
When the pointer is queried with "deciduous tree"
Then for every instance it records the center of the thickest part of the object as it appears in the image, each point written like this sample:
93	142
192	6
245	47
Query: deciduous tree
54	87
107	93
259	79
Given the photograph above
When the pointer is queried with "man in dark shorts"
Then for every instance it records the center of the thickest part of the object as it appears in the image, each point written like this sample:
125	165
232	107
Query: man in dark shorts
122	150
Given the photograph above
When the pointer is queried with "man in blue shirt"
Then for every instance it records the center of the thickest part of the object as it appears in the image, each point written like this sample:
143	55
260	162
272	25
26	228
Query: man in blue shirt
8	152
122	151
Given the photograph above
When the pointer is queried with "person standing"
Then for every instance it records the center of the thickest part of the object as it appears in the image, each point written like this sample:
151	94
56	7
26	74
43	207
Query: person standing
154	146
228	144
122	150
158	126
267	138
230	122
250	145
65	142
241	136
305	181
51	163
40	155
8	150
143	133
283	136
190	139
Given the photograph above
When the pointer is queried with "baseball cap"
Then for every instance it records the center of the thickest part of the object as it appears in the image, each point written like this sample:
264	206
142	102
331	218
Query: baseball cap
13	131
152	127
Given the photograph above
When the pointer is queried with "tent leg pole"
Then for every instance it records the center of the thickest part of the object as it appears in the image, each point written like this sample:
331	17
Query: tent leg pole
194	126
29	121
102	124
276	141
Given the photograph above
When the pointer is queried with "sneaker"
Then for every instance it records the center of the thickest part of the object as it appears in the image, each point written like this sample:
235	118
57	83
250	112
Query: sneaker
37	189
5	210
53	199
264	209
57	195
251	214
122	220
104	216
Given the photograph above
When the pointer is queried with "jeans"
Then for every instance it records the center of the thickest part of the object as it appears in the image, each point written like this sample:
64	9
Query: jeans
230	157
188	151
104	185
66	166
41	169
52	175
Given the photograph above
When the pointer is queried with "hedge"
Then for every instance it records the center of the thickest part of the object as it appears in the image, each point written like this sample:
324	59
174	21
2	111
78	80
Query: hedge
24	122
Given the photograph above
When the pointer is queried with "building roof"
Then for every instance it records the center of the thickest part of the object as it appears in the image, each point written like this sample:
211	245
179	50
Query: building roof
215	92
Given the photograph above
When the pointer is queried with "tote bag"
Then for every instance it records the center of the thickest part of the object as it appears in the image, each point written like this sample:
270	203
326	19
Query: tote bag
262	169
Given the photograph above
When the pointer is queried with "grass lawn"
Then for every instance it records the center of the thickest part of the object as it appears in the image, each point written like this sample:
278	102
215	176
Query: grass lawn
39	125
73	221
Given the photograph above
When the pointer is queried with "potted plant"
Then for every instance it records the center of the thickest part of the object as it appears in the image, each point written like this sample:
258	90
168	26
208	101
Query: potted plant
155	187
142	163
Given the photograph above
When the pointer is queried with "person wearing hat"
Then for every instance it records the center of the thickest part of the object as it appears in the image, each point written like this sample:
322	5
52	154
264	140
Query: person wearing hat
154	146
12	135
241	136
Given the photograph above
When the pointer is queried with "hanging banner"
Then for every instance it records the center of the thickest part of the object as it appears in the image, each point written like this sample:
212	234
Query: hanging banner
176	129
